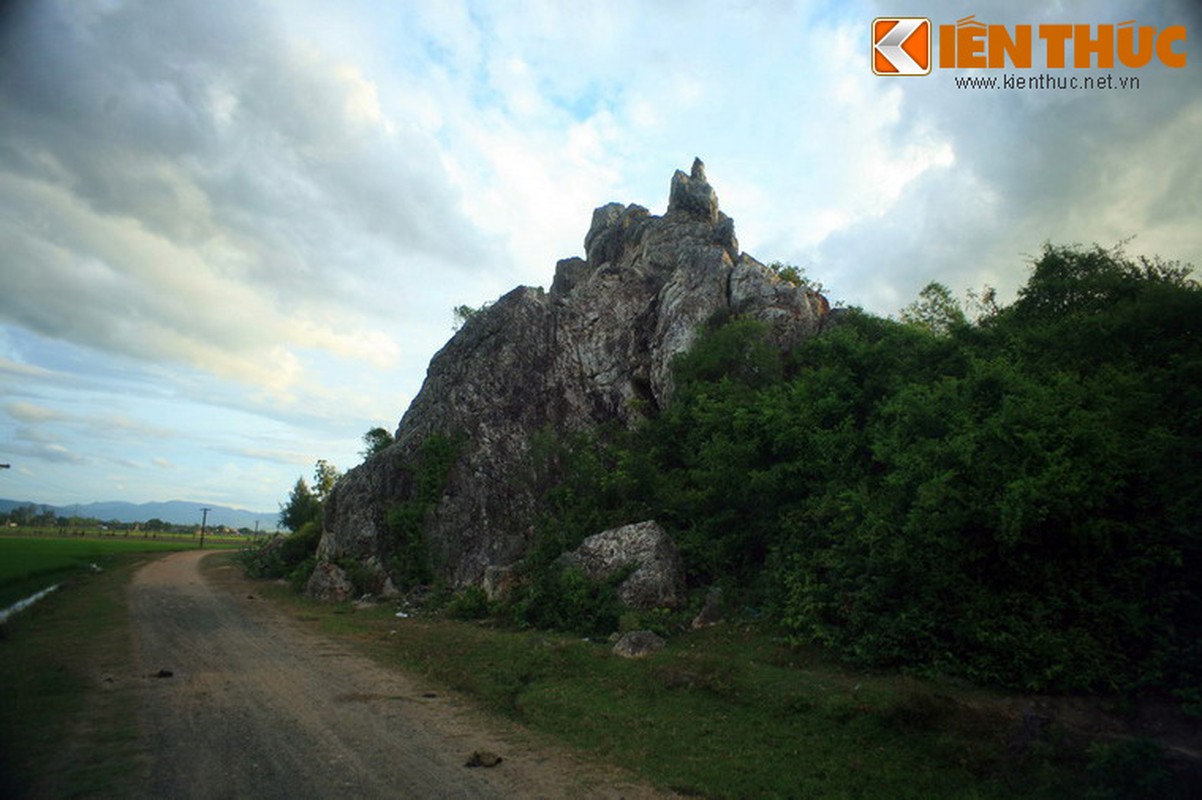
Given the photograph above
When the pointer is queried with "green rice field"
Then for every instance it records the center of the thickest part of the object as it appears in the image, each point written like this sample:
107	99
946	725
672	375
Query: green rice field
30	563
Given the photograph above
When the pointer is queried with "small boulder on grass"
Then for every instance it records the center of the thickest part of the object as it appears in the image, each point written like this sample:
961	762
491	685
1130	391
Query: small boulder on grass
637	644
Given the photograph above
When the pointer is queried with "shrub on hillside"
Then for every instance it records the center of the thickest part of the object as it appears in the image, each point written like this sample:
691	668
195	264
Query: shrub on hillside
281	556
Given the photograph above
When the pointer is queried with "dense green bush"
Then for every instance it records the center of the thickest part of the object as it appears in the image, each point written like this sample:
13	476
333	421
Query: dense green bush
283	556
469	604
1012	500
1022	517
298	576
565	600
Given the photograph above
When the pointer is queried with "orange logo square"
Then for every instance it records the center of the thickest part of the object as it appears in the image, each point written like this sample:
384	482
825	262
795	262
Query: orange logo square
901	45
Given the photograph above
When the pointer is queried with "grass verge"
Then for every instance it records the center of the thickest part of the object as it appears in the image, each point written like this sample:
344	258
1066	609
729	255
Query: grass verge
729	711
68	722
31	563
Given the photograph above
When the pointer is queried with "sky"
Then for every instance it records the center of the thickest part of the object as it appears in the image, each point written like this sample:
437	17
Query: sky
232	232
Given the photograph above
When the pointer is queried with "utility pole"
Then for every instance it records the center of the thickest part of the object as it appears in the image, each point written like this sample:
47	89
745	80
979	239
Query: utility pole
203	521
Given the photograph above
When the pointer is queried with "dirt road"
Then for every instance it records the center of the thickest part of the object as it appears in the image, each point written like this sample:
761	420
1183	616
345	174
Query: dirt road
257	707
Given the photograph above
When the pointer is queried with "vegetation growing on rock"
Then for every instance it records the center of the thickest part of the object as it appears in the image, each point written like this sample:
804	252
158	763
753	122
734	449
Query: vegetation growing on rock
1011	500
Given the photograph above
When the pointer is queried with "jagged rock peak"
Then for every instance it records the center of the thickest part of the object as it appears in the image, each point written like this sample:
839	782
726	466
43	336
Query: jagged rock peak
692	194
596	350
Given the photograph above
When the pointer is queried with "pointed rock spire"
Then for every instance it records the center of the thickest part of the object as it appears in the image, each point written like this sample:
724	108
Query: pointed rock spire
692	195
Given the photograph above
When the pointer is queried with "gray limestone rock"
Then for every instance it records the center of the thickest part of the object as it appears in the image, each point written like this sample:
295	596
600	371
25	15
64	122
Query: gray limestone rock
638	644
657	580
596	349
329	582
691	194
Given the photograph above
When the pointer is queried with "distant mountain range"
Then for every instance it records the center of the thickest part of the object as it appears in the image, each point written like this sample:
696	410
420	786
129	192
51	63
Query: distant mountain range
176	512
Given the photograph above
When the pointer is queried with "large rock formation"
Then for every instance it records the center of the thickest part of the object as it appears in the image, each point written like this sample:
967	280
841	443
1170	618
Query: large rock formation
596	348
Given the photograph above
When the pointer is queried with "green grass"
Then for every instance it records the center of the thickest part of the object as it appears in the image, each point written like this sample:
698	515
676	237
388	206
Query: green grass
68	721
727	711
31	563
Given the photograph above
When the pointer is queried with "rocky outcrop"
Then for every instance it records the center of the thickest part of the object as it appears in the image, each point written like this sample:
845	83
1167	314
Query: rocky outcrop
656	579
329	582
596	348
638	644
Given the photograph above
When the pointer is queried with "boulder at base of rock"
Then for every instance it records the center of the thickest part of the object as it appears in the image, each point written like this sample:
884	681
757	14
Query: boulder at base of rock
329	582
637	644
658	577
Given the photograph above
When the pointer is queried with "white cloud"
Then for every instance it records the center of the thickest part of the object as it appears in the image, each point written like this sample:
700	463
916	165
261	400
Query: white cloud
29	412
23	371
33	443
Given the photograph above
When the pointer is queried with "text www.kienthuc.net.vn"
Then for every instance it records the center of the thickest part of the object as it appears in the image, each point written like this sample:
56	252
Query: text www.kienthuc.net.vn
1082	83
